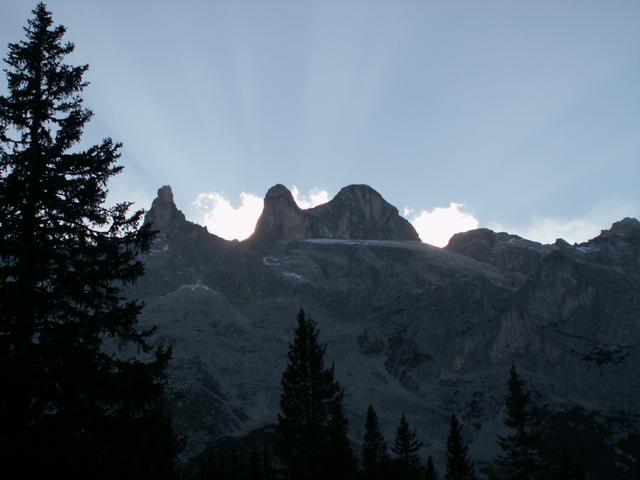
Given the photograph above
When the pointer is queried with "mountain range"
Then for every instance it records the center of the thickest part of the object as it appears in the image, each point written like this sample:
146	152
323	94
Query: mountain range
412	328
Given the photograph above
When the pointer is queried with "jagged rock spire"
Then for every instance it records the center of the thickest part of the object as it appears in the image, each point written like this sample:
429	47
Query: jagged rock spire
163	212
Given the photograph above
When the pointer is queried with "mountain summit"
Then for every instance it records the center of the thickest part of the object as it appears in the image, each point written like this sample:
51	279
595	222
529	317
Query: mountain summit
163	212
357	212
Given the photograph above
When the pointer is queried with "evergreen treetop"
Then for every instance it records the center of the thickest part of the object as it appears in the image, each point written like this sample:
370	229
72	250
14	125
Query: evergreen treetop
406	448
520	459
70	403
374	449
459	467
312	428
430	472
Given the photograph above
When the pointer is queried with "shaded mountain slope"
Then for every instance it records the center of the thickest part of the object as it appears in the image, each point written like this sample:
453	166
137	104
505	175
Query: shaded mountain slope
412	328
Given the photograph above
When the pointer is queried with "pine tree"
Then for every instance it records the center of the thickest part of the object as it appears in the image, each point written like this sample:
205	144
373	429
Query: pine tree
430	472
459	467
374	449
520	459
69	404
312	430
339	459
406	449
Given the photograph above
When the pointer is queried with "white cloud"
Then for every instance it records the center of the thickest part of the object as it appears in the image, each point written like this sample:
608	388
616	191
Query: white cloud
238	222
227	221
315	197
436	226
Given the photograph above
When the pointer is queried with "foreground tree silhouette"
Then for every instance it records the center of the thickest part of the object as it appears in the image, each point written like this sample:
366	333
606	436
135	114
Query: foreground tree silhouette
406	449
70	406
430	472
312	429
459	467
520	459
374	449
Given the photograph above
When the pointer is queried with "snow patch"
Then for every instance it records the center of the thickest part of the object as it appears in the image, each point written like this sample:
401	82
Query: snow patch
293	276
270	261
192	287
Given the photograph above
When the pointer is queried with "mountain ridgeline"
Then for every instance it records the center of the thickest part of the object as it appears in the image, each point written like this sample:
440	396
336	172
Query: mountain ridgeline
412	328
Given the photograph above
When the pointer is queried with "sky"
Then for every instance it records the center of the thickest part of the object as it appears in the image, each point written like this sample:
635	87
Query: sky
521	116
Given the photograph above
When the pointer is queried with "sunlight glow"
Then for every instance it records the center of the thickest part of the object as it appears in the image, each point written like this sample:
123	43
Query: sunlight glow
436	226
238	222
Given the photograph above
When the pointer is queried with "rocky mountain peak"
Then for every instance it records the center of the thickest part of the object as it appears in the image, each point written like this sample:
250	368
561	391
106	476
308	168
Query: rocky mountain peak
163	212
356	212
512	255
627	228
279	201
281	217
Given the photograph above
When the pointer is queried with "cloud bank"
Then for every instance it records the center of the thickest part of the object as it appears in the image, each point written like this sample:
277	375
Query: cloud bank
231	222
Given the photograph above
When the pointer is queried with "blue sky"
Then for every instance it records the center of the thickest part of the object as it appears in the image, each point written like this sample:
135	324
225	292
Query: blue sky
527	114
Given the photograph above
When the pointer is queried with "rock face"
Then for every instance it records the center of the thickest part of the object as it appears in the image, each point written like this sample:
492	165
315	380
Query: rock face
412	328
356	212
514	256
163	213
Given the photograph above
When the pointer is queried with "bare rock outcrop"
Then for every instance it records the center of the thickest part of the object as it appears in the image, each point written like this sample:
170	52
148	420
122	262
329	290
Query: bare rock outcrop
357	212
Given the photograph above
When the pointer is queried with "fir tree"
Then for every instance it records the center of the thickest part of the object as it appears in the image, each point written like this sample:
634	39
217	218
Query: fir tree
70	405
312	430
374	449
430	472
339	459
405	449
459	467
520	459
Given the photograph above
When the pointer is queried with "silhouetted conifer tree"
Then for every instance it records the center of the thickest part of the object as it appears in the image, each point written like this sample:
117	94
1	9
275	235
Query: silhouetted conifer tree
341	462
520	459
459	467
374	449
430	472
406	448
312	430
69	406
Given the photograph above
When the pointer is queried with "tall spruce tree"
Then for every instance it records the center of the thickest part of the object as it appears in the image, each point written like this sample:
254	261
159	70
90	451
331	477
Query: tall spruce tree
459	467
312	429
430	472
374	449
520	459
69	405
406	449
